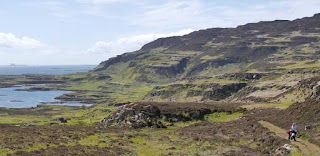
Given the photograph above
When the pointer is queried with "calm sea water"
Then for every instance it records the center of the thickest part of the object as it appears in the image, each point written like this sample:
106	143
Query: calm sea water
11	98
50	70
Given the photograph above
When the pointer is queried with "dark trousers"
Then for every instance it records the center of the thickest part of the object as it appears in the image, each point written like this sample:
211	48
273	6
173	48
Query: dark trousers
294	138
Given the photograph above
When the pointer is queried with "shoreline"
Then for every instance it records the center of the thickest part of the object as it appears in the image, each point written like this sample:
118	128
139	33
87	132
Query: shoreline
75	102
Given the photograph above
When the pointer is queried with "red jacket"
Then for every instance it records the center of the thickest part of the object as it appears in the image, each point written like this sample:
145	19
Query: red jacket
288	131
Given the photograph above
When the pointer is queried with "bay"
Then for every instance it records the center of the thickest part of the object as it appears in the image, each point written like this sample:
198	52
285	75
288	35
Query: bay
11	98
23	99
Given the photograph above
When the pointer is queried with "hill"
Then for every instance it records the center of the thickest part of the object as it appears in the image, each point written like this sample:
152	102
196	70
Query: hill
253	63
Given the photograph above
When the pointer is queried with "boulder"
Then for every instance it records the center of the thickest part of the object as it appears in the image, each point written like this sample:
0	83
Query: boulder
308	127
61	120
284	150
316	91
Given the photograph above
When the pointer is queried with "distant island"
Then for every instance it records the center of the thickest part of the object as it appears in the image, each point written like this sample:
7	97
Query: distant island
14	65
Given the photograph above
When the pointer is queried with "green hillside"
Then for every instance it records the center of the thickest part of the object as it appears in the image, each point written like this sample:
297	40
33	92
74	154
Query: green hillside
257	62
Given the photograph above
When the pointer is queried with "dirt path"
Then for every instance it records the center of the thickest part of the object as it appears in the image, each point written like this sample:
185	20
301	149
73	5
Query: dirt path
307	148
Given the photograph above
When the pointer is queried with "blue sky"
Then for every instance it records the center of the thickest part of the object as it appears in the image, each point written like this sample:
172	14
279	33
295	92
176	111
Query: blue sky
45	32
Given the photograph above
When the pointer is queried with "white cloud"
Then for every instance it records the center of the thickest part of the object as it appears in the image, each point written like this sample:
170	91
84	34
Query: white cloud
128	44
9	40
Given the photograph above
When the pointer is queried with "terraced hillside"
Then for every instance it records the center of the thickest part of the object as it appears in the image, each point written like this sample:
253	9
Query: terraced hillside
261	63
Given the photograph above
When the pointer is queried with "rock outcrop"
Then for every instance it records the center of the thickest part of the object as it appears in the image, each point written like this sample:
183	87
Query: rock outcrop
210	91
148	114
316	91
135	116
241	76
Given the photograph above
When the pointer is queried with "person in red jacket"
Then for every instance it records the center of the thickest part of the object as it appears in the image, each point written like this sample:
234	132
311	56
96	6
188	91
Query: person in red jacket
293	129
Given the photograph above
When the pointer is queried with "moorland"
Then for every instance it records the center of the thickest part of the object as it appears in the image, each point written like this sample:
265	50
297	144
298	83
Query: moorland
219	91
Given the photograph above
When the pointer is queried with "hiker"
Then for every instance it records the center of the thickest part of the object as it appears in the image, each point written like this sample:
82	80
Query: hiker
293	129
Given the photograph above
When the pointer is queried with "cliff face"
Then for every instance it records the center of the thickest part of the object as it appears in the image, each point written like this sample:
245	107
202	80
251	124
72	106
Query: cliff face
201	57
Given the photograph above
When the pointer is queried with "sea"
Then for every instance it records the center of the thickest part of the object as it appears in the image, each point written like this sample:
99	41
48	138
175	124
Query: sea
13	98
47	70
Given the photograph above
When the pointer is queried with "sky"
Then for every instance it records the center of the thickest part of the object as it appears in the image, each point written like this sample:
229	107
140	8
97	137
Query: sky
81	32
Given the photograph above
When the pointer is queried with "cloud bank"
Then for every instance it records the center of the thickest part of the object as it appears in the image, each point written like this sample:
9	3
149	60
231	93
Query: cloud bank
9	40
128	44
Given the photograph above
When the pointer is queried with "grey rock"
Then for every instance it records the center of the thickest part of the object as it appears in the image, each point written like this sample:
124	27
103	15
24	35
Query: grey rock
135	116
284	150
308	127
